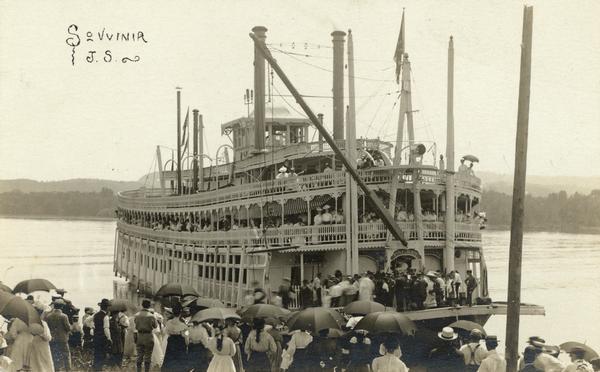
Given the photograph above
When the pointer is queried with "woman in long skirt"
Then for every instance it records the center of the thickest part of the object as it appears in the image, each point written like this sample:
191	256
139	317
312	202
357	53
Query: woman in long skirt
259	345
116	347
176	351
235	334
40	357
223	349
19	340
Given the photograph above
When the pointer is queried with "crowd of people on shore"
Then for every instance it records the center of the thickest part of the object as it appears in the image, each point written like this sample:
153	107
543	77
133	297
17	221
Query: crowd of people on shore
170	339
404	290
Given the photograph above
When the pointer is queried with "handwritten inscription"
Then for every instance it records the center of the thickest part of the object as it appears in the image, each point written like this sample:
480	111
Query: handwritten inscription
105	46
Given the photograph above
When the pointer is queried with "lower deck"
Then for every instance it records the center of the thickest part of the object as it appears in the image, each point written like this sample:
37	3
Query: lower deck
225	269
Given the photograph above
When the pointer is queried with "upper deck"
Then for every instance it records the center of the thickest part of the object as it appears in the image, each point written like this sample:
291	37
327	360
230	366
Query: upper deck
293	187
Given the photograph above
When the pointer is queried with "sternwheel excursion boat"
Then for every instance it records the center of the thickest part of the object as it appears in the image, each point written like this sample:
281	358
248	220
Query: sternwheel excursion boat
283	206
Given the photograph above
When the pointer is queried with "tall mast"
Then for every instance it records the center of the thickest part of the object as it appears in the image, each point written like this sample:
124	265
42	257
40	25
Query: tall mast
351	188
449	171
179	188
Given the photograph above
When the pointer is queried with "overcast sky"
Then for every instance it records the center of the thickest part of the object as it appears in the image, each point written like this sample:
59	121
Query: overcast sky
104	119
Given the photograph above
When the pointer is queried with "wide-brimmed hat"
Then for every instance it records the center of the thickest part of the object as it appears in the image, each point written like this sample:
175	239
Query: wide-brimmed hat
326	206
491	339
432	274
104	302
88	310
448	334
282	169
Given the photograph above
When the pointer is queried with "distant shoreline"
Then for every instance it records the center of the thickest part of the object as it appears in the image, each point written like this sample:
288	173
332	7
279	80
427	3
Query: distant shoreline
52	217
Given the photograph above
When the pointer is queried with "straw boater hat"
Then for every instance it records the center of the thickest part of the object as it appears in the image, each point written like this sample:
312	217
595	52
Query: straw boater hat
326	206
282	169
447	334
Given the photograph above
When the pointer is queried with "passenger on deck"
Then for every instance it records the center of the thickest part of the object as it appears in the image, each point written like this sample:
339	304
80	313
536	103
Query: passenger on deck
327	169
318	218
462	168
441	164
326	217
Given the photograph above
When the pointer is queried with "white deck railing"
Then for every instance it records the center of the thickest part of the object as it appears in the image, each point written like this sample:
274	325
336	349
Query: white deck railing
304	235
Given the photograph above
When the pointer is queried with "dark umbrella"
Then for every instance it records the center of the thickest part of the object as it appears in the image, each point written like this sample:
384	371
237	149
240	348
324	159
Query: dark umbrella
12	306
314	319
215	313
589	352
471	158
5	288
363	307
263	311
467	325
32	285
387	321
176	289
203	302
119	304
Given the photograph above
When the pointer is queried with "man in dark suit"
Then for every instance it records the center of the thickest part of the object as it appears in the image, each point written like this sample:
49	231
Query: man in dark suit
59	326
102	339
145	322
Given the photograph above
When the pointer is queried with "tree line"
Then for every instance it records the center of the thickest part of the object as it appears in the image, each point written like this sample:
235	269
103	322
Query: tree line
58	204
554	212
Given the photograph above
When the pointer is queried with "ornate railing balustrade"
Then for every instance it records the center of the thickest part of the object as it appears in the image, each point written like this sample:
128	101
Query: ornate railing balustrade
153	199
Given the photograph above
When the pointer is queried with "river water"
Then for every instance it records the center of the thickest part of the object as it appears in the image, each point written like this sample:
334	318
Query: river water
560	272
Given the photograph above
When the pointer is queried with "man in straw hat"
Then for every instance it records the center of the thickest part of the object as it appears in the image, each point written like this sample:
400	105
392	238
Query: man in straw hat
446	358
543	360
578	364
494	362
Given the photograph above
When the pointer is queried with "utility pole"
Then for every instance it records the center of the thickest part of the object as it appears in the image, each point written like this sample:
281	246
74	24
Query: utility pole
518	205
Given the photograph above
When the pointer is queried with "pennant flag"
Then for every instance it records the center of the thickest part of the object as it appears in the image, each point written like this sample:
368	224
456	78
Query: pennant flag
184	140
400	46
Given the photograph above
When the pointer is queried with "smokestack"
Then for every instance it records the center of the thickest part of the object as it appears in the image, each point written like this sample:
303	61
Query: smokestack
338	84
179	185
195	152
200	153
259	92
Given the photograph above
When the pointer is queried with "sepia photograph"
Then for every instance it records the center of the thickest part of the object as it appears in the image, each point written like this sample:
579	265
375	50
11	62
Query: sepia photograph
343	185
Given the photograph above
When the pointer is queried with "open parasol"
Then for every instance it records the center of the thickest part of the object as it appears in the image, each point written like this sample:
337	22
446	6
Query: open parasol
471	158
589	352
176	289
314	319
387	321
203	302
467	325
12	306
33	285
5	288
215	313
363	307
263	311
119	304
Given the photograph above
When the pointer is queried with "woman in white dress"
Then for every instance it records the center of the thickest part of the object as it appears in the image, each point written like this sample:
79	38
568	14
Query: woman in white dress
40	358
223	349
19	340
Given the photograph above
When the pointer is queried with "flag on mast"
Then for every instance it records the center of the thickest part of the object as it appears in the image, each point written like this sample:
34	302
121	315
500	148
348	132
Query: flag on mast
400	45
184	141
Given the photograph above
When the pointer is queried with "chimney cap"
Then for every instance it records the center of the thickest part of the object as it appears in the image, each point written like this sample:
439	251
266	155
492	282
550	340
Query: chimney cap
338	33
195	110
259	29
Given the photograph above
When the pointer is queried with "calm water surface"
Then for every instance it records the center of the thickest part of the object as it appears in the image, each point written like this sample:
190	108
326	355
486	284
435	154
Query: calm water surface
560	271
